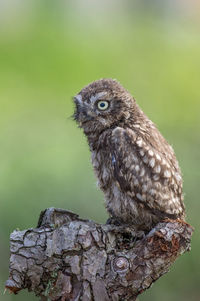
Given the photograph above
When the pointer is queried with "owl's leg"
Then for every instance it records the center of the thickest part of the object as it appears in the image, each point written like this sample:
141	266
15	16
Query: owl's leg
114	221
127	233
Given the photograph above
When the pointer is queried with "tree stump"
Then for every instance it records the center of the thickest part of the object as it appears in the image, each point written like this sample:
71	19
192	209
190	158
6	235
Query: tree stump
69	258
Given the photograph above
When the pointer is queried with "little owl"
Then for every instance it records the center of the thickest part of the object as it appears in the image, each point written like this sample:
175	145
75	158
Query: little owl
135	166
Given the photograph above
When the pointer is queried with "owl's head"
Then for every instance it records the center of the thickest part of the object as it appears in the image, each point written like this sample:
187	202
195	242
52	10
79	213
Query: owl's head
101	105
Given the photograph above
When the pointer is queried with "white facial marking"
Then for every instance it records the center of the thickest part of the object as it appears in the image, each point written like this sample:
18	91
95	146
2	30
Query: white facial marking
97	96
103	121
78	97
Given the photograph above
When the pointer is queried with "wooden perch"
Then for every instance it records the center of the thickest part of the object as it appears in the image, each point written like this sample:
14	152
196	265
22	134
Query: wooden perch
68	258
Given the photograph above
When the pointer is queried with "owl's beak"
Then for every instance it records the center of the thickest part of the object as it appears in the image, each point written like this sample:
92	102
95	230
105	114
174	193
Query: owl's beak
81	113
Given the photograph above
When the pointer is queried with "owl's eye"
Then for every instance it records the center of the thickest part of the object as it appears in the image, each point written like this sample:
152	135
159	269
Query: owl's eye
102	105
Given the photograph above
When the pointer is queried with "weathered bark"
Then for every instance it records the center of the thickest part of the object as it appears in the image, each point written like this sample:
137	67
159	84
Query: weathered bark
68	258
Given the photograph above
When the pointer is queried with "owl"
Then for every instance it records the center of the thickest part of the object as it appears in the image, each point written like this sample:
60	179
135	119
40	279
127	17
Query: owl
135	166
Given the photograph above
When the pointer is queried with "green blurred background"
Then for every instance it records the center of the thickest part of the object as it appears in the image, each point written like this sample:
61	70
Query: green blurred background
48	51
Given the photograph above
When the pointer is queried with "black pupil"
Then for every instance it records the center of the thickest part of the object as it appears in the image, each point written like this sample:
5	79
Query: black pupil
102	104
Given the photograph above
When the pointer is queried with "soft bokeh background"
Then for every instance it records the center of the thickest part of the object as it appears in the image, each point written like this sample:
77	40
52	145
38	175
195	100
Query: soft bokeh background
48	51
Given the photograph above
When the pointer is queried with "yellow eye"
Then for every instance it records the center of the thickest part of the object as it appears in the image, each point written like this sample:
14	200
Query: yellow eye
102	105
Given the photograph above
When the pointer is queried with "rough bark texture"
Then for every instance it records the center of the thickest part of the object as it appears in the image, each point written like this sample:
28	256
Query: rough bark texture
68	258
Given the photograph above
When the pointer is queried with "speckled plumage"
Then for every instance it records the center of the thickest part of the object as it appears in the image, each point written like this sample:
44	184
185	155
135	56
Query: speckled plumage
135	166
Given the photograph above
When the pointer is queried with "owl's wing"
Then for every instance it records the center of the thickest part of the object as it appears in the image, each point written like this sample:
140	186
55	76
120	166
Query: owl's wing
146	174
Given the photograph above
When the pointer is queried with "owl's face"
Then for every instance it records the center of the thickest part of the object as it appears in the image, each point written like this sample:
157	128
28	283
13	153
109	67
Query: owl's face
101	105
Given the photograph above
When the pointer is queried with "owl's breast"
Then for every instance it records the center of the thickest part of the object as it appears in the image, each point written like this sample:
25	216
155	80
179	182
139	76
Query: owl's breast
102	164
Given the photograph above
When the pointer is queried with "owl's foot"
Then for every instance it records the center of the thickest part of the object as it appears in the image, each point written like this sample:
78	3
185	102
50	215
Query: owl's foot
127	234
